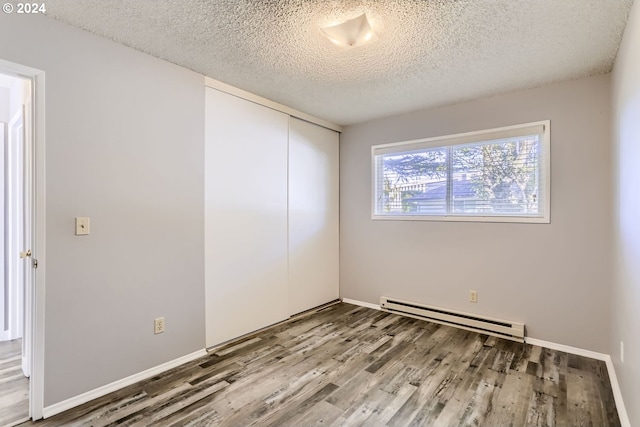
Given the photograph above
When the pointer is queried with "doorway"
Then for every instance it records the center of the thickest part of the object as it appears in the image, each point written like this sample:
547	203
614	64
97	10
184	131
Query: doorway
15	208
21	217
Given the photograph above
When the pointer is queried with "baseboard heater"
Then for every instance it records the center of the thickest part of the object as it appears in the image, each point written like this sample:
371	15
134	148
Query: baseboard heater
472	322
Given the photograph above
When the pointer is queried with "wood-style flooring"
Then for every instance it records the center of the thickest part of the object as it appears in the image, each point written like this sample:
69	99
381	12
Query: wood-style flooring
352	366
14	386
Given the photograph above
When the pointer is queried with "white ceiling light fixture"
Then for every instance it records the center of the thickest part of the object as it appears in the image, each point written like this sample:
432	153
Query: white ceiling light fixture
350	33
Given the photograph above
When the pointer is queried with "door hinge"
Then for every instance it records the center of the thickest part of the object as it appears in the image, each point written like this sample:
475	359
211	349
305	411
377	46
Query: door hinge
35	263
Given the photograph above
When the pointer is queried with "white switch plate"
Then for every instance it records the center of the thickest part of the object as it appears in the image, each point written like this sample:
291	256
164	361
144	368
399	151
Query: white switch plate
82	225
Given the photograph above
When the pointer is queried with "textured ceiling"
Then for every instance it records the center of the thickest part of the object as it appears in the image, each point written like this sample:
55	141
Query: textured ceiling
427	52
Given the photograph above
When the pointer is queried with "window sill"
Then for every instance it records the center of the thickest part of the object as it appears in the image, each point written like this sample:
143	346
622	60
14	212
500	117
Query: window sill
464	218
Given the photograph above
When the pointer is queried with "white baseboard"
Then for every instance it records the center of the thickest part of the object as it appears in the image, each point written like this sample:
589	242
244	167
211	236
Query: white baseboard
567	349
617	394
615	387
361	303
59	407
19	421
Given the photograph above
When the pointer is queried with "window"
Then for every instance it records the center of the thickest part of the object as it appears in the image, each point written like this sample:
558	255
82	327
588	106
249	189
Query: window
499	175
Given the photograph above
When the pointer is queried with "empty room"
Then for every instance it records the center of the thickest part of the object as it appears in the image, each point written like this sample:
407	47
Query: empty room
306	213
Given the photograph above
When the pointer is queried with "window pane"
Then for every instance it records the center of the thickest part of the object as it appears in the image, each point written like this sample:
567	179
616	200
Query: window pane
496	177
413	182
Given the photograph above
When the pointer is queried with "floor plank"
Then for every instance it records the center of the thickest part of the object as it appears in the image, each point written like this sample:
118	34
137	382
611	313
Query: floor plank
354	366
14	386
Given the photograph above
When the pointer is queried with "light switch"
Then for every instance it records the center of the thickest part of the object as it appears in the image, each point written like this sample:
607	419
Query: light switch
82	225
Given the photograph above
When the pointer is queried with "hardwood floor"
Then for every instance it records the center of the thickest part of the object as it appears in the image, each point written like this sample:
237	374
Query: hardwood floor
14	386
351	366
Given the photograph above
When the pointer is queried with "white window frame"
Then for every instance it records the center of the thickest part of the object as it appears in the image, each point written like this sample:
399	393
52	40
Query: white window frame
465	138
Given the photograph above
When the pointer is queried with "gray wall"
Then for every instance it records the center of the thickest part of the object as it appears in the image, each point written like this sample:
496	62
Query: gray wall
554	277
124	146
626	287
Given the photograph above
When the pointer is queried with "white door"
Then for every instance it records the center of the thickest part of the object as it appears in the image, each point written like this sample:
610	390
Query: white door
30	164
4	325
14	236
18	234
313	215
27	239
245	217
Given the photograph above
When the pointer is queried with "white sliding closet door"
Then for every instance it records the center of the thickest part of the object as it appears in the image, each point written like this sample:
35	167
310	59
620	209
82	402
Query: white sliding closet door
313	215
245	217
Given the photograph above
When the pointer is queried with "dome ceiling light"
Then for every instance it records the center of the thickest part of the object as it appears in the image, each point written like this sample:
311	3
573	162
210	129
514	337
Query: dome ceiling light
351	33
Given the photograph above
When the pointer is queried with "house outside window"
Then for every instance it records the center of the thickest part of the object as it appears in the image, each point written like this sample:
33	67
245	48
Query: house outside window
496	175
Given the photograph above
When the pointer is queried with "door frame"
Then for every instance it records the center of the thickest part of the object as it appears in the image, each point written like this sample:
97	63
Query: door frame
37	78
14	197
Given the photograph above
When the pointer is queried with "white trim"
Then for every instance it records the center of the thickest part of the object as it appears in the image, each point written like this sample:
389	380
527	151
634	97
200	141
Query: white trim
613	379
36	381
20	421
567	349
542	127
232	90
59	407
361	303
617	394
36	397
463	218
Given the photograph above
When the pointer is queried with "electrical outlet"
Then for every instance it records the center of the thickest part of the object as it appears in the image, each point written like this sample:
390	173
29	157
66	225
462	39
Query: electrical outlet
622	351
473	296
158	325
